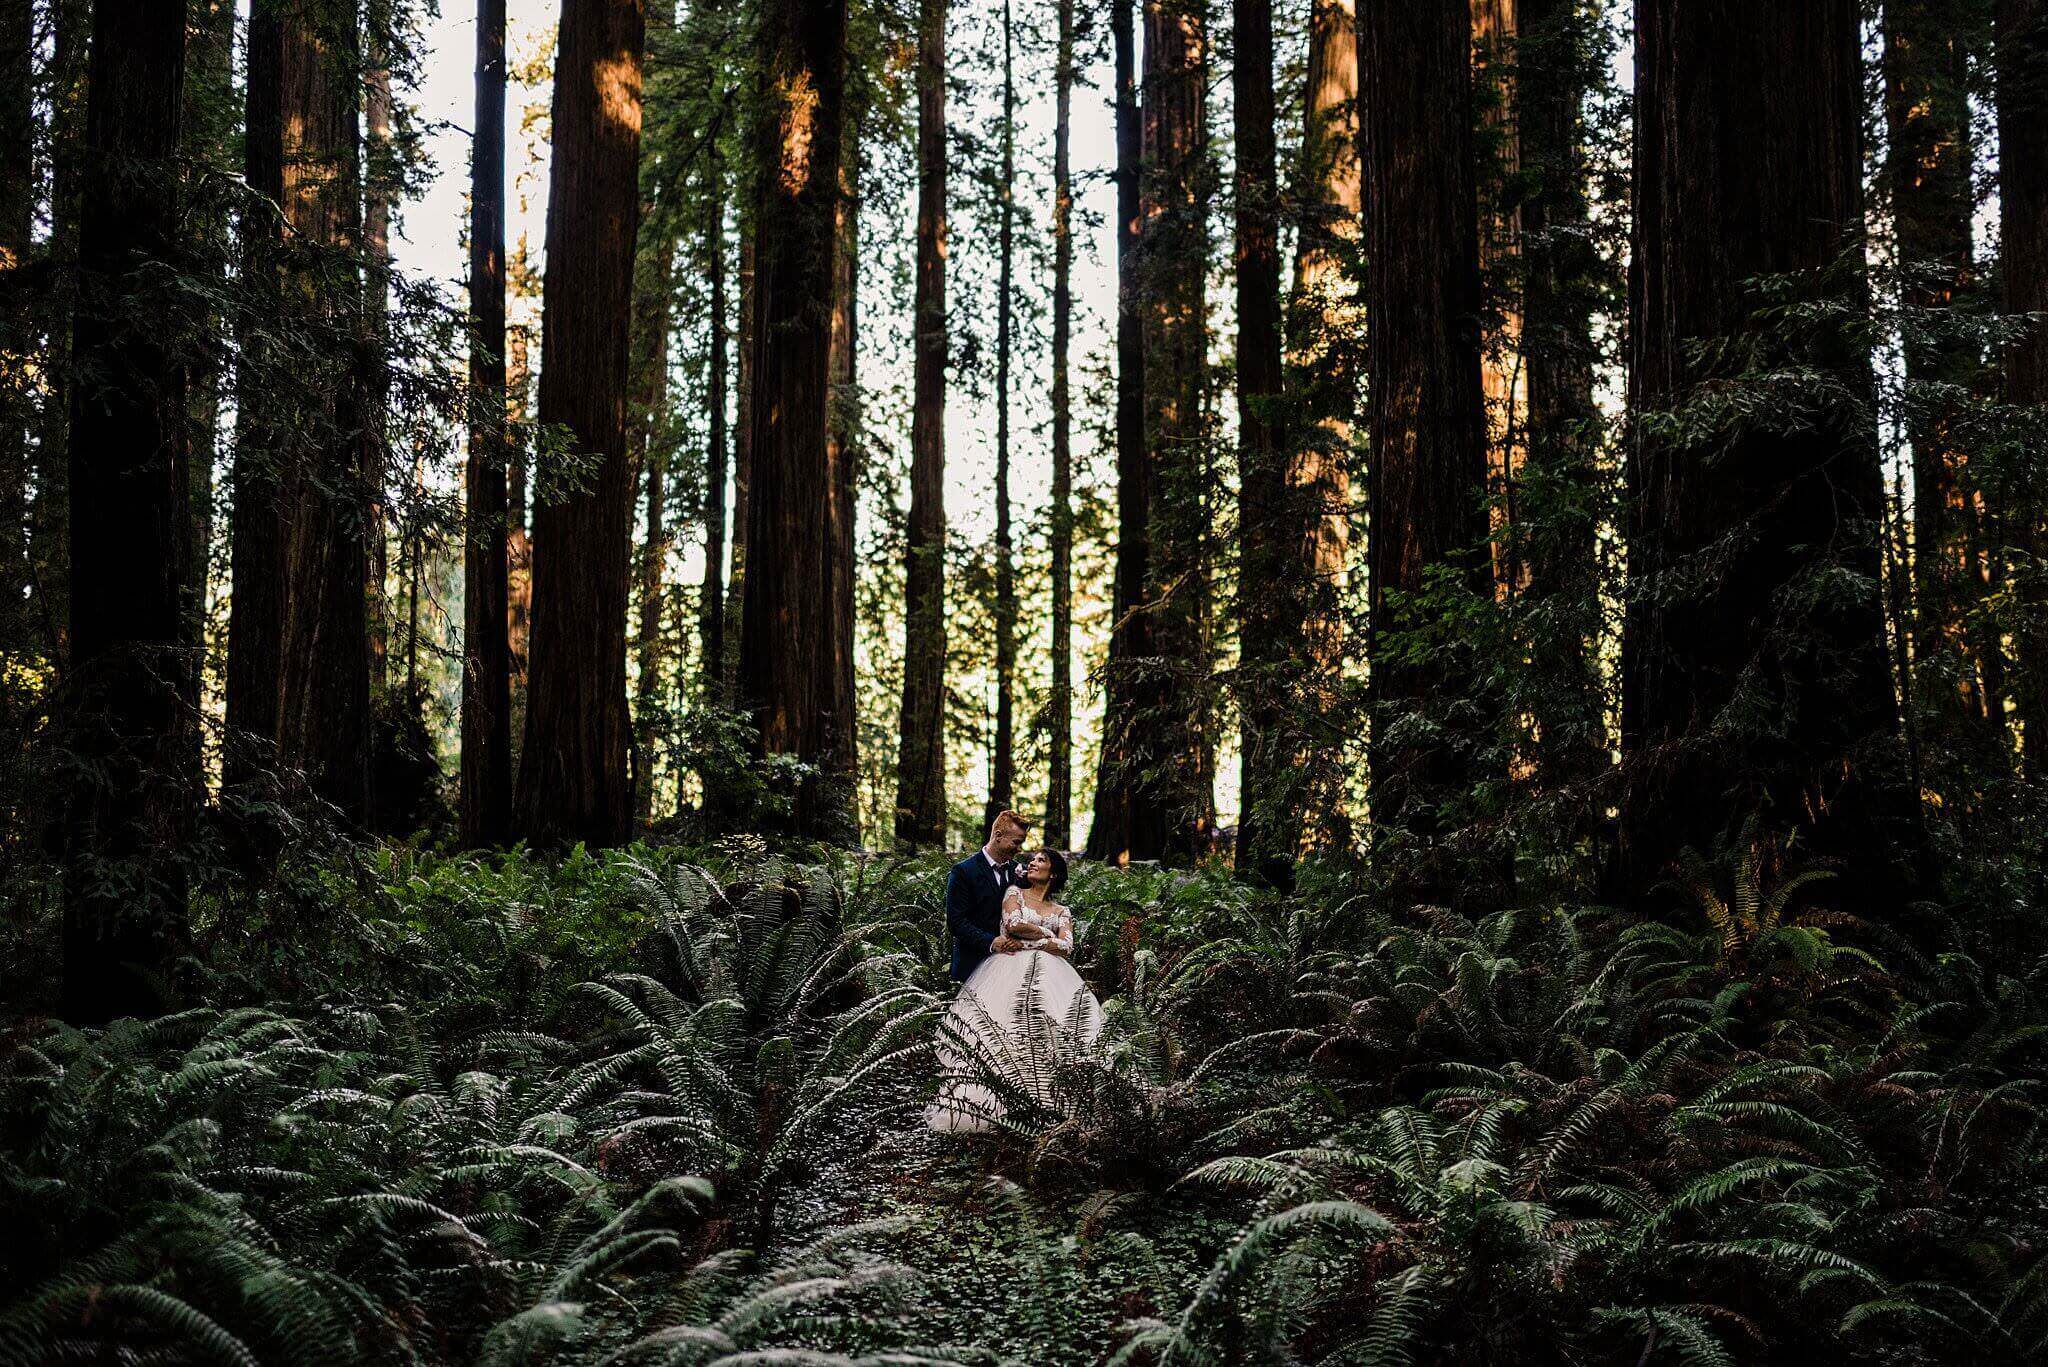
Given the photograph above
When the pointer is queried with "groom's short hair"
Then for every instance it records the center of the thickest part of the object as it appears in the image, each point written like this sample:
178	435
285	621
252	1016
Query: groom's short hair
1006	817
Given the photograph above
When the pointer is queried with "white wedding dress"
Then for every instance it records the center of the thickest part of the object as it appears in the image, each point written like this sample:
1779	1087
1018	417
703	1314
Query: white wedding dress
989	1028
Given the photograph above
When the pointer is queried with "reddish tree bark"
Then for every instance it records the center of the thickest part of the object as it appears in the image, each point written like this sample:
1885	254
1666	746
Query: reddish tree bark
921	744
2022	61
573	783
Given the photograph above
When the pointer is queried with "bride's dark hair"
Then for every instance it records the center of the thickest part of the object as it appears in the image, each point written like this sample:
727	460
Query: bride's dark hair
1058	879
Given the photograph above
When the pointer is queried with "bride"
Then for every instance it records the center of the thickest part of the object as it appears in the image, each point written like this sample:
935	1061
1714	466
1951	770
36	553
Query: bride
992	1019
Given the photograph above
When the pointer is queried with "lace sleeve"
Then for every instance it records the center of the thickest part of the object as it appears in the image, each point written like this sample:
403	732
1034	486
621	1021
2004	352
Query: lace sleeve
1062	937
1013	901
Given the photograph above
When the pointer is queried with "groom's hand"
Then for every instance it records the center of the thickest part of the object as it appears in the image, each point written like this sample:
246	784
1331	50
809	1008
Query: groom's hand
1003	944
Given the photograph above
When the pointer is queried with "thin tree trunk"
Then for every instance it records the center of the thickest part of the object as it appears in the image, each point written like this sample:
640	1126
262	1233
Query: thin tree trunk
1003	765
133	684
487	656
1266	541
256	518
796	640
711	602
18	325
518	541
742	461
1747	690
1109	835
660	232
1927	172
1497	167
1059	791
2022	62
323	723
1427	420
921	748
380	193
1171	806
573	783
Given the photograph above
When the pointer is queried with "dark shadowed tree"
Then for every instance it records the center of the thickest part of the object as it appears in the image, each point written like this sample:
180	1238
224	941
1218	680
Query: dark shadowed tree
487	655
2022	63
573	782
1266	537
1754	676
1059	783
796	636
921	748
133	684
717	447
1426	421
1109	836
18	194
1003	756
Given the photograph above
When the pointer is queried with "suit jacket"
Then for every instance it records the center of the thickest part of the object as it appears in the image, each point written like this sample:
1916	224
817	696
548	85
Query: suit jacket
974	910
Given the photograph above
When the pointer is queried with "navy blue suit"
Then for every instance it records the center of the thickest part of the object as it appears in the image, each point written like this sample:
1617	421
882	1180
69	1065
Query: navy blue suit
974	910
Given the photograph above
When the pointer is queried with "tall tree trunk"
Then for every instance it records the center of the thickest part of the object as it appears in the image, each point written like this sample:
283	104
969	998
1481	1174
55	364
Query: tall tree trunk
1003	759
49	549
1557	536
1266	542
133	685
1760	685
921	747
661	229
208	133
1303	779
573	783
1109	835
256	517
323	723
1927	172
842	452
1427	421
2022	62
796	642
1059	788
1171	805
742	459
380	192
18	324
487	655
711	602
518	541
1496	53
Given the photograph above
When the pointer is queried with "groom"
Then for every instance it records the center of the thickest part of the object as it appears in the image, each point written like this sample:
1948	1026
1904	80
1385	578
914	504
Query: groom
974	896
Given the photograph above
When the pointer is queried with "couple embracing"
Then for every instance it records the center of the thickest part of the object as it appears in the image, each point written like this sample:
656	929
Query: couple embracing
1012	939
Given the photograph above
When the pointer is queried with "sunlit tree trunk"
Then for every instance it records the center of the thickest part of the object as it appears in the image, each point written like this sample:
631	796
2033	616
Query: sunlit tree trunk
2022	62
1109	836
1059	792
1496	99
1753	668
323	721
487	657
796	641
1927	172
1265	536
132	691
921	749
1003	760
573	783
208	133
518	541
256	517
1427	428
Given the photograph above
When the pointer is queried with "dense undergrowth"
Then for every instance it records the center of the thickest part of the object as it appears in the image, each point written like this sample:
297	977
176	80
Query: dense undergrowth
662	1107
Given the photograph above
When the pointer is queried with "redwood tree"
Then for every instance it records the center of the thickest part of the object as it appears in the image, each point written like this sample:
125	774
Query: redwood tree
1003	759
323	719
1754	677
796	635
133	685
2022	60
573	783
487	652
1427	428
921	750
1059	788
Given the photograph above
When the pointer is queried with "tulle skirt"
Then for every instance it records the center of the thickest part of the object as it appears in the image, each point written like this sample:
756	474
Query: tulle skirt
1010	1016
